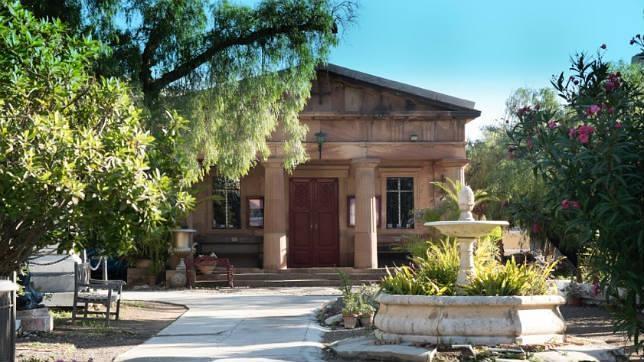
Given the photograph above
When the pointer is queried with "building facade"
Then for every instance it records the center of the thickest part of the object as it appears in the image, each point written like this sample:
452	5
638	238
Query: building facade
375	146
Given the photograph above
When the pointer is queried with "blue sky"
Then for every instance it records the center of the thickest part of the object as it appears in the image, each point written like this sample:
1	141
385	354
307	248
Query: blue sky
483	50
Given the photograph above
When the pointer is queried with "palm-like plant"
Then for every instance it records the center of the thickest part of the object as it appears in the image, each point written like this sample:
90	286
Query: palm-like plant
447	208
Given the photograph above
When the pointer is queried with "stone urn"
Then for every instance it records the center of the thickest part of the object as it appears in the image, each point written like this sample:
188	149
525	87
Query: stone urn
181	247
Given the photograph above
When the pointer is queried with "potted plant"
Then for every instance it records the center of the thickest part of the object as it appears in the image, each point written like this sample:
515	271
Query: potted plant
574	294
366	312
206	264
350	311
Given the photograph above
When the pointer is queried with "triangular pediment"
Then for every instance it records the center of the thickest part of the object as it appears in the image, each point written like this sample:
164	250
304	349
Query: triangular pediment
340	90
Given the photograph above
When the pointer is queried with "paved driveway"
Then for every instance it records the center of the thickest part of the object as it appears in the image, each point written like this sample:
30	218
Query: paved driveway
242	325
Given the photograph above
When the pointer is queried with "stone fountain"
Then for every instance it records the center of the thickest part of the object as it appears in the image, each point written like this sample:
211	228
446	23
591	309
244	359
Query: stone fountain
466	231
477	320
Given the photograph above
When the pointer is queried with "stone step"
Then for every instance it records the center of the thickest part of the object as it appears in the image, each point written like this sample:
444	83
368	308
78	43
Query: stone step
296	277
282	283
347	270
280	276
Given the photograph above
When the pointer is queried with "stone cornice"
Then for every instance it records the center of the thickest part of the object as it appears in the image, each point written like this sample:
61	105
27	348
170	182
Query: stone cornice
416	115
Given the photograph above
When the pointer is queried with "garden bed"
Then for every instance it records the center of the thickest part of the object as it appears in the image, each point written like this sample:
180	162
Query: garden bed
90	340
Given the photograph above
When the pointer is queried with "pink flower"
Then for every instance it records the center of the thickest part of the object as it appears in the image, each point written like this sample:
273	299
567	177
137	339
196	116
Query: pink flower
585	129
523	110
552	124
583	133
574	204
613	82
592	110
572	133
565	204
618	124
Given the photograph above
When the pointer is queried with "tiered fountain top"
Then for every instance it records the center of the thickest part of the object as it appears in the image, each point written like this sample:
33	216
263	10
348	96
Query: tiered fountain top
466	226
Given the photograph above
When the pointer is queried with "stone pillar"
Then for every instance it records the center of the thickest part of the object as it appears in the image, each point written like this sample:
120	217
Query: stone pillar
453	168
366	236
274	215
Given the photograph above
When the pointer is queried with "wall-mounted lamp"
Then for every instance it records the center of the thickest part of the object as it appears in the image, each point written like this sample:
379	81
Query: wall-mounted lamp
321	138
413	137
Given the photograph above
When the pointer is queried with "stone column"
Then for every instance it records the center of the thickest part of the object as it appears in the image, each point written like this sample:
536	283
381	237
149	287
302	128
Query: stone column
366	237
274	215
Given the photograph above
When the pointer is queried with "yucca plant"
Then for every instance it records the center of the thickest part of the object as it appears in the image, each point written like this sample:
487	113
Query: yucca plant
511	279
440	264
406	281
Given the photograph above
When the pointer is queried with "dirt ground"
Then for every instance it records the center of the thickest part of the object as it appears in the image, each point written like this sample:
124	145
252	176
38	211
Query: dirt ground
90	340
584	325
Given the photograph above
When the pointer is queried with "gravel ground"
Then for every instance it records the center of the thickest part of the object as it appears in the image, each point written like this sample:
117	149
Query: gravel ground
91	340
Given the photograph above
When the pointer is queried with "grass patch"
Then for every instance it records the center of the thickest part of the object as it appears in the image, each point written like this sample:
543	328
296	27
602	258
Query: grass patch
134	303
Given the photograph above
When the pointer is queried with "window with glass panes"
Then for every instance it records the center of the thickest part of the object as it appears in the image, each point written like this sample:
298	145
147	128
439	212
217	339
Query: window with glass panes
400	202
226	204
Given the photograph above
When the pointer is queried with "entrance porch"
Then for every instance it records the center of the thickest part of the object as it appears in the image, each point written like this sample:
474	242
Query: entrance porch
323	214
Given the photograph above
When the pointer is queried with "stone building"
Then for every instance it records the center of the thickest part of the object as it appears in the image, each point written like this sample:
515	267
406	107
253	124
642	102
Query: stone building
374	144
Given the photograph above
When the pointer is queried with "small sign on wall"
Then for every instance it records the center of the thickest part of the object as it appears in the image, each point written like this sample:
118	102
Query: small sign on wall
255	212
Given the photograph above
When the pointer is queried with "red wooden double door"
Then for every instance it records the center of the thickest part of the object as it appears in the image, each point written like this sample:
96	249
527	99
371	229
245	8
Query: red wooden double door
313	223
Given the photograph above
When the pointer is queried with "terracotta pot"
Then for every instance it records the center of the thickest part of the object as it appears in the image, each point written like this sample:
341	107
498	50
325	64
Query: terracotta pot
206	269
143	263
576	301
350	321
151	280
366	320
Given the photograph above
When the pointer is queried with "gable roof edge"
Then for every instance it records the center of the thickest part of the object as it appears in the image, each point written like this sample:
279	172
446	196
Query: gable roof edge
401	87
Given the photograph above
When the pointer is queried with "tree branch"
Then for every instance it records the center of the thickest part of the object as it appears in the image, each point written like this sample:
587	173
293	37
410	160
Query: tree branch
221	44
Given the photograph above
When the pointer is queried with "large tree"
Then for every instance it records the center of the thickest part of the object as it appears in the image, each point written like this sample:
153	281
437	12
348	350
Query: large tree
74	161
234	72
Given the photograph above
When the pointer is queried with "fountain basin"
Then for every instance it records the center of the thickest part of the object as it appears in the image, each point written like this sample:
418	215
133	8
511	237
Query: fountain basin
466	229
477	320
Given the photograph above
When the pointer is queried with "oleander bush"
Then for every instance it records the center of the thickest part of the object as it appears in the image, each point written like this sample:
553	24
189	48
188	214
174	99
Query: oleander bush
590	159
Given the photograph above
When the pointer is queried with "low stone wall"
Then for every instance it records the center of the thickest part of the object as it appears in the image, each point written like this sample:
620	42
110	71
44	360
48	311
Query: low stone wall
476	320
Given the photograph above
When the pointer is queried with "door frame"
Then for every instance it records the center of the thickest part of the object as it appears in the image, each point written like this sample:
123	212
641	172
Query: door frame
289	257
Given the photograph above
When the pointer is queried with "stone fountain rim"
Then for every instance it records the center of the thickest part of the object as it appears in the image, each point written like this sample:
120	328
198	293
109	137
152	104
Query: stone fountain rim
468	222
471	300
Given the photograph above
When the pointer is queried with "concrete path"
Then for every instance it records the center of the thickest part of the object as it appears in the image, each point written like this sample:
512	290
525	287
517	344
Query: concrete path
242	325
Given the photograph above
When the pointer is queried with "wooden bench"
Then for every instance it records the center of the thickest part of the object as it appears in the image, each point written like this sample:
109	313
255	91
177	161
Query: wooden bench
241	250
87	290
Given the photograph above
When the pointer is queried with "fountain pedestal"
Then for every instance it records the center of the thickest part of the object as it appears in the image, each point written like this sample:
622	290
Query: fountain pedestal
466	251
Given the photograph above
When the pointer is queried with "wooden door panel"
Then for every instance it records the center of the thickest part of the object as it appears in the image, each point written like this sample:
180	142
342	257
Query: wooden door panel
313	222
300	221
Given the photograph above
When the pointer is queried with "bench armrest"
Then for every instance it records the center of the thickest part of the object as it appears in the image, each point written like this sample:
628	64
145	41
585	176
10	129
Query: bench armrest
113	284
